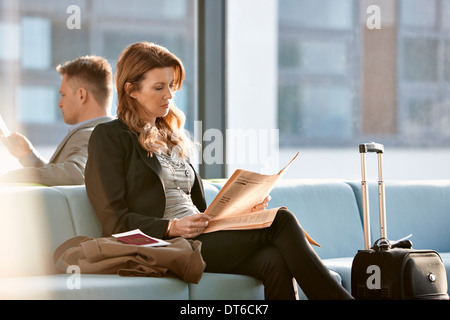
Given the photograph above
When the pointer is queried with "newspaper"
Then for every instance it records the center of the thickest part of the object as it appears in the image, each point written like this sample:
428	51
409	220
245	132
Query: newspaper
232	208
4	131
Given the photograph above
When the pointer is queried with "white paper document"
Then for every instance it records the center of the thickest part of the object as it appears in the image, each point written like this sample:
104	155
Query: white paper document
4	131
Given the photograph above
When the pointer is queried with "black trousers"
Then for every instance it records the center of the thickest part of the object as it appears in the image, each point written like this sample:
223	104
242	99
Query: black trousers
274	255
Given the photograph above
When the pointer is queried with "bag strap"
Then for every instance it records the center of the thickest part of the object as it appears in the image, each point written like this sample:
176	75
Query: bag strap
70	243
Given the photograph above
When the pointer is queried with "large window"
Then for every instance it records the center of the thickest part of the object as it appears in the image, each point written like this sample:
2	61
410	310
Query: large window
305	75
318	71
340	82
37	35
424	78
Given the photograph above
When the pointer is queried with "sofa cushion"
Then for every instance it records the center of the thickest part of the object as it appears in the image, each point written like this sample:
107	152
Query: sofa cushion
93	287
420	208
336	275
33	222
343	267
211	190
327	211
220	286
84	219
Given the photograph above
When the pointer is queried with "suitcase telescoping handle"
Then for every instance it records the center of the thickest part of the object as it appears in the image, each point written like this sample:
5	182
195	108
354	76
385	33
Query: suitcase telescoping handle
379	149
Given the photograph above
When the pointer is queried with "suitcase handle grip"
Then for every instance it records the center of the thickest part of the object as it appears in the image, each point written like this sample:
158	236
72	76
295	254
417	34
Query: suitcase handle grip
385	244
381	244
371	147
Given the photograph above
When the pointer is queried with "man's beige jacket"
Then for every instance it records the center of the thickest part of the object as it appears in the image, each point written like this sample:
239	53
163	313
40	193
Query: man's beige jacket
66	166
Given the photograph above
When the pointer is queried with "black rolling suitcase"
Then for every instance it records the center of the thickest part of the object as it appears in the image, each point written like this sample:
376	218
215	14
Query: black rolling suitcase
392	271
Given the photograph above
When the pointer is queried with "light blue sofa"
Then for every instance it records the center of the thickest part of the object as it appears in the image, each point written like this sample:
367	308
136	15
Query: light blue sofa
34	220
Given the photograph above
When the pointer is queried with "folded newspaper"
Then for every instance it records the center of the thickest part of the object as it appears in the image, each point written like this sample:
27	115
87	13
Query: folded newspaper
232	208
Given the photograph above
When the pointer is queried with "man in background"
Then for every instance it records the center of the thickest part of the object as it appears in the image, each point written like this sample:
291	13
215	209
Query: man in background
86	97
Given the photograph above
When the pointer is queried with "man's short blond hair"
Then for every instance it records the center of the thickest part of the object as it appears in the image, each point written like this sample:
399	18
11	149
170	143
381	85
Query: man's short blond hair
93	73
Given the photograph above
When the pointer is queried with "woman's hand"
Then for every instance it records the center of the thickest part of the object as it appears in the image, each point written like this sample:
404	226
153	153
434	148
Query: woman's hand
263	205
190	226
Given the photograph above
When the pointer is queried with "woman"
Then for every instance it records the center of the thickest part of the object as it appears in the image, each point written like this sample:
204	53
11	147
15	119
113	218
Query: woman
138	175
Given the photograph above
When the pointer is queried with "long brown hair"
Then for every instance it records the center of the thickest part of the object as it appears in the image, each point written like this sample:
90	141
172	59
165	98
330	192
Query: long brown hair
168	132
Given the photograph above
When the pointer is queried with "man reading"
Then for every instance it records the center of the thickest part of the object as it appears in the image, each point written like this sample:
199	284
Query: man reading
86	97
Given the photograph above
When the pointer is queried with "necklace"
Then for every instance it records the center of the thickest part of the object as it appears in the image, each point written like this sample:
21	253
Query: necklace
174	163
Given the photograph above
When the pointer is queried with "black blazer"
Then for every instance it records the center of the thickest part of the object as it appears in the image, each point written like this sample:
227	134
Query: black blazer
124	183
